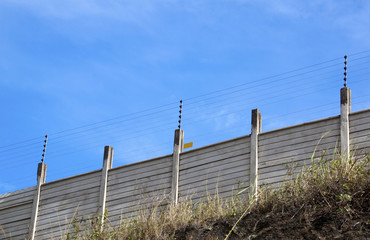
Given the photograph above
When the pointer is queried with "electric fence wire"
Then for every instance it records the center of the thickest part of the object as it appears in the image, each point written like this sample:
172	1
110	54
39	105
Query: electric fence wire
294	90
90	141
112	129
265	119
112	119
134	118
256	97
234	97
335	80
263	100
252	96
214	134
334	106
115	129
318	112
94	127
63	150
158	107
359	53
97	129
121	118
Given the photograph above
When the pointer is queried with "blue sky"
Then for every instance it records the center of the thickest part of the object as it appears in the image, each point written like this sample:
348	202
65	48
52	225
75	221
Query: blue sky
95	73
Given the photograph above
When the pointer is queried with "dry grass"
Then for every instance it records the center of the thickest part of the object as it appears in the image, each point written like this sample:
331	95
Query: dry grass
333	182
336	189
161	220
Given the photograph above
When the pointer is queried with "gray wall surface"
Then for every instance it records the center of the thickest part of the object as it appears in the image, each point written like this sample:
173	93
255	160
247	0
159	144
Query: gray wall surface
60	200
222	167
359	131
15	213
135	184
295	146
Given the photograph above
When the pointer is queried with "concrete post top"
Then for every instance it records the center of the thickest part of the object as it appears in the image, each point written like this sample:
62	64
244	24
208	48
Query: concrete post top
345	95
107	147
179	137
256	120
108	157
41	173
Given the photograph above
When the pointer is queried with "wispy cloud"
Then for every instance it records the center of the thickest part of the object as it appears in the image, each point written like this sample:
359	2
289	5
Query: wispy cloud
78	17
218	120
296	9
142	148
350	17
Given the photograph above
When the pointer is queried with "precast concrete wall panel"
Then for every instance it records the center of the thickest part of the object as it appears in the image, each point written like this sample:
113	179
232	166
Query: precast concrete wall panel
359	131
283	152
15	213
61	200
133	187
221	168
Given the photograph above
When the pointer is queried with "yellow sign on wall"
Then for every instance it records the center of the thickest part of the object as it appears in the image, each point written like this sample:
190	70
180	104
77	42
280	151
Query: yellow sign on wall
188	145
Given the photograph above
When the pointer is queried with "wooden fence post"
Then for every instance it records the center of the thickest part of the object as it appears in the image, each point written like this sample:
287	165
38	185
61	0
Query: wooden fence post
345	109
178	147
253	167
107	164
41	176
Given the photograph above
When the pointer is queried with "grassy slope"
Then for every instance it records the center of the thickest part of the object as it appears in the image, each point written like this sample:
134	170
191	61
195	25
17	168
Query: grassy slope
329	200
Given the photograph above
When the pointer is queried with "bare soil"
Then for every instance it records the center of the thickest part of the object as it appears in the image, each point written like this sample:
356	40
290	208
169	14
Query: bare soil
320	225
319	222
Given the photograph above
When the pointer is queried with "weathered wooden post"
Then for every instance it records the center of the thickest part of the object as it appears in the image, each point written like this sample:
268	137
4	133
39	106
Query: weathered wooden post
178	147
41	176
253	167
345	110
107	164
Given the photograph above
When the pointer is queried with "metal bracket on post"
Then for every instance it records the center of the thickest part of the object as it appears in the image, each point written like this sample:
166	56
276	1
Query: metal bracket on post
177	149
107	164
41	177
253	167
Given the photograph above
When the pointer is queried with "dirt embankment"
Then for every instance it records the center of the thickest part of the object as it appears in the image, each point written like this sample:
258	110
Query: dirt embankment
331	200
319	224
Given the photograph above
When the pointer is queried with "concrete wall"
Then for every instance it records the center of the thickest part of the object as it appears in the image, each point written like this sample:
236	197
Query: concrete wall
359	131
60	200
133	186
222	167
15	213
293	147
